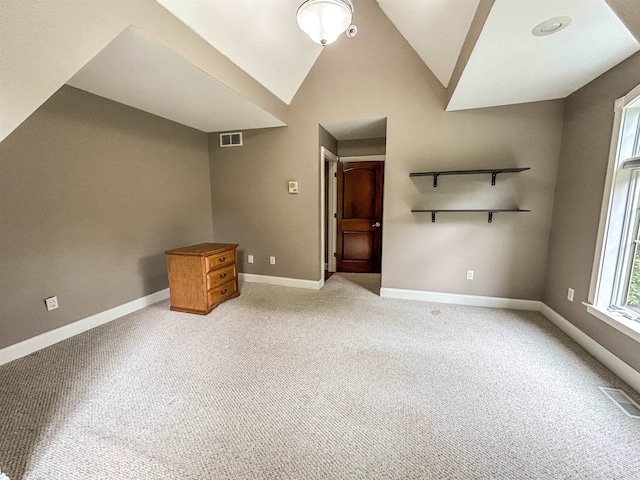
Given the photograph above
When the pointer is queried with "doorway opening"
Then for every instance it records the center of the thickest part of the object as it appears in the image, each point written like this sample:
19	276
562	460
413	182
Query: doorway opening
352	160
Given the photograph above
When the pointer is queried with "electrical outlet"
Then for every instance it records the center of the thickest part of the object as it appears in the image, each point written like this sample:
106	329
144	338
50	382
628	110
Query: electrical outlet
272	260
570	294
250	258
51	303
469	274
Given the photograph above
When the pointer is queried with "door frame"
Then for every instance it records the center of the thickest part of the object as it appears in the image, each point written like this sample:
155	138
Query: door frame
326	156
364	158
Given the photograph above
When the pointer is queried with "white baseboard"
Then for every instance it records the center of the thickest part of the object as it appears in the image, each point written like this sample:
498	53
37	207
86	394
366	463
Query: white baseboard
459	299
604	356
281	281
47	339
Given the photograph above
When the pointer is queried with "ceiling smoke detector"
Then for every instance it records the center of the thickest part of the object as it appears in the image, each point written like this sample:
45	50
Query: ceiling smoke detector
553	25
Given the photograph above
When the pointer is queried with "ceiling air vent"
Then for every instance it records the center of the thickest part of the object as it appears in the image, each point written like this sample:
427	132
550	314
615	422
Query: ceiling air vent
231	139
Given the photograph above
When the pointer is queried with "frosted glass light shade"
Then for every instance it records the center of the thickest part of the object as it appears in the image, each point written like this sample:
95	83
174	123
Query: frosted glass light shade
324	20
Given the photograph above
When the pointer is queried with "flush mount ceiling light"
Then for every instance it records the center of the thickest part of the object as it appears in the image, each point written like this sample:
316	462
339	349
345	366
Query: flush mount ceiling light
324	20
553	25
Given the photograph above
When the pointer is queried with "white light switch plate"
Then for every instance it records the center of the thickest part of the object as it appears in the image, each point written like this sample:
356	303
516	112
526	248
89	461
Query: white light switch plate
51	303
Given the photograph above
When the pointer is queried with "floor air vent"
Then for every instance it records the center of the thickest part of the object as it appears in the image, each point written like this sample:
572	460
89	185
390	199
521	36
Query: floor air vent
231	139
623	401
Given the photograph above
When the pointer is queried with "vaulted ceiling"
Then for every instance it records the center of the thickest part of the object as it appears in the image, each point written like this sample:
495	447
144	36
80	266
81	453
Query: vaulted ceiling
507	64
510	65
482	51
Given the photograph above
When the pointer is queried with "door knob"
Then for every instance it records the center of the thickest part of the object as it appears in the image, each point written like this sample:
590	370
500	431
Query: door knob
377	224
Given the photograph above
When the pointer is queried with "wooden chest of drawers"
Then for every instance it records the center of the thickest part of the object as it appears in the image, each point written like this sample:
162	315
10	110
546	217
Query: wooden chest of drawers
202	276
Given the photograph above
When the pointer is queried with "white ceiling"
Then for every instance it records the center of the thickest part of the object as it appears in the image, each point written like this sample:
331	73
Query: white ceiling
357	129
436	29
261	37
509	65
140	72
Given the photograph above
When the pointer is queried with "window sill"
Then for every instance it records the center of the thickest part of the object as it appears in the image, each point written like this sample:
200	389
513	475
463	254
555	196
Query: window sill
626	326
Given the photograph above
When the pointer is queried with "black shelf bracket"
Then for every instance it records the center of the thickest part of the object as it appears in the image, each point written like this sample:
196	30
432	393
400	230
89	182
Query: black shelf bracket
489	212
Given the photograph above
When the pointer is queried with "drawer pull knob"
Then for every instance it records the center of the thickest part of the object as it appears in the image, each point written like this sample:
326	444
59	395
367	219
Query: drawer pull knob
223	291
222	259
223	275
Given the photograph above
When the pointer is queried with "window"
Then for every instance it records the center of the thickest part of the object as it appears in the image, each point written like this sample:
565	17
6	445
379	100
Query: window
615	287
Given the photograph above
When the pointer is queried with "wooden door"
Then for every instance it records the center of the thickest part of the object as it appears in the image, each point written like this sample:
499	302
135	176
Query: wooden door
359	246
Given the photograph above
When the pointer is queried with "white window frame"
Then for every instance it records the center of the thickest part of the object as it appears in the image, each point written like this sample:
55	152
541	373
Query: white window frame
615	230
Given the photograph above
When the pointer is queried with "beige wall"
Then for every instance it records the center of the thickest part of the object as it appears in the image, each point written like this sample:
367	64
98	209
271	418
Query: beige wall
327	140
588	123
251	205
368	146
92	193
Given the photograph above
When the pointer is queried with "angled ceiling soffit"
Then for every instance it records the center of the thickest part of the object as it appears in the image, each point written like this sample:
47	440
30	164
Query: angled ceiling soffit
138	71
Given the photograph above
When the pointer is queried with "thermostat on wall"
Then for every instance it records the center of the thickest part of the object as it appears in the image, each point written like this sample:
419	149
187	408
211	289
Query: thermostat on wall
293	187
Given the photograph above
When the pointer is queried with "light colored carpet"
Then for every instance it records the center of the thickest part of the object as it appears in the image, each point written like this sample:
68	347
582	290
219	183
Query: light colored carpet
283	383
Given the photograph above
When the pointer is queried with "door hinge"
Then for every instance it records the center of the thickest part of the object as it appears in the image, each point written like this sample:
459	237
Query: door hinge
335	215
335	174
335	254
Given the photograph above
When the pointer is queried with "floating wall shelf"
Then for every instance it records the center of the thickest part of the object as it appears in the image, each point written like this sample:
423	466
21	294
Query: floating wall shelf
489	211
493	171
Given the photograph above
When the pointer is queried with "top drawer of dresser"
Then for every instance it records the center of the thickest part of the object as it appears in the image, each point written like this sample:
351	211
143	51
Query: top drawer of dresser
219	260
